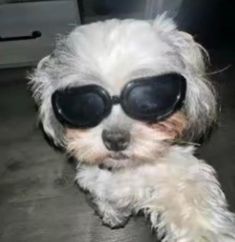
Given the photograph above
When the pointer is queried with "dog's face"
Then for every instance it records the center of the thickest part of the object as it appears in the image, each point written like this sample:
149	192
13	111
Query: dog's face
110	55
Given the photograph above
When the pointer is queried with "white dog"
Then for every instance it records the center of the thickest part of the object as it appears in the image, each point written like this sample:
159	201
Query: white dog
127	99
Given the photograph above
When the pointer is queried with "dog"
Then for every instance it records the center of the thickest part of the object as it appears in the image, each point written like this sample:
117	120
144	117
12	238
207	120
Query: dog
128	98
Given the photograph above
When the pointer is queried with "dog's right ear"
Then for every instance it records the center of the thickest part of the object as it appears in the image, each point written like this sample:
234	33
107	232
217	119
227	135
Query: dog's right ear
41	83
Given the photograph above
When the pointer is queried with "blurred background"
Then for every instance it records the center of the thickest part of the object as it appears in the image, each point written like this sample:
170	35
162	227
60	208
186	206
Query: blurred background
28	28
38	198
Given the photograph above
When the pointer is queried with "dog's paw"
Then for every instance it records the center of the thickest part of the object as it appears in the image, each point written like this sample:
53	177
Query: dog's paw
114	221
113	217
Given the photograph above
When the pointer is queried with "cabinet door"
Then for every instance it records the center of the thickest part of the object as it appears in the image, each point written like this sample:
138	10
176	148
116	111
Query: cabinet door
28	30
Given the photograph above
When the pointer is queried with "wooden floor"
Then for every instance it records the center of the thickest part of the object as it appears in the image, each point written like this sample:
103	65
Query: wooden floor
39	201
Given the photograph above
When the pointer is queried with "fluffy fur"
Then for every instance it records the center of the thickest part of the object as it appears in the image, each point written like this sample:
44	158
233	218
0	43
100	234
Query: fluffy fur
178	192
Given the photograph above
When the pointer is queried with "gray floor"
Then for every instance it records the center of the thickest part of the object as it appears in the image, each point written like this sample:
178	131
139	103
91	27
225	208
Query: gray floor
38	198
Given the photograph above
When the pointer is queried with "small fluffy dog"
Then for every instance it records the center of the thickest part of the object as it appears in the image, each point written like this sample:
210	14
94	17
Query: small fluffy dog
127	98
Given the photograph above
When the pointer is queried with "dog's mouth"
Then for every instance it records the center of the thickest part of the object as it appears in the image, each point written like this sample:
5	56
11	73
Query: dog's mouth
115	160
118	156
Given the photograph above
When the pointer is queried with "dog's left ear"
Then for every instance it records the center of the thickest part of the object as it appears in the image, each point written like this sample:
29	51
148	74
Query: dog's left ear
200	103
191	52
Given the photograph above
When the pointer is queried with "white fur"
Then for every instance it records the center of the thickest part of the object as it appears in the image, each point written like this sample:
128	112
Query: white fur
179	193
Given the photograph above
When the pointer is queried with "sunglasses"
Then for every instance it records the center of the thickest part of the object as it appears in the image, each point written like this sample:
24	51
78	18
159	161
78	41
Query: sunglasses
148	99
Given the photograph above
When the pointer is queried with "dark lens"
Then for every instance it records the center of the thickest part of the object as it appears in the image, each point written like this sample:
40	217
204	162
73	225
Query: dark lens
154	98
82	107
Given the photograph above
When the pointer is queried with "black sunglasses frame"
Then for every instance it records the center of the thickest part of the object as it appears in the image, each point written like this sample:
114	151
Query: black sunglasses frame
109	101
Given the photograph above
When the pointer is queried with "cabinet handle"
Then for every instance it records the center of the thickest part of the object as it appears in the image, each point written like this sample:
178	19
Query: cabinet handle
34	35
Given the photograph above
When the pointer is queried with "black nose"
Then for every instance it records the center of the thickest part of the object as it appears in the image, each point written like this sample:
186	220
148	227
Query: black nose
116	140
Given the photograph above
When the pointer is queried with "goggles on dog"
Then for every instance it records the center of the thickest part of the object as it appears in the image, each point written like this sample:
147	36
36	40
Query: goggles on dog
148	99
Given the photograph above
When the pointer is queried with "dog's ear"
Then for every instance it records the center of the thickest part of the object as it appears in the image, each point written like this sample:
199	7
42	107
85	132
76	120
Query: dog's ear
192	53
42	89
200	103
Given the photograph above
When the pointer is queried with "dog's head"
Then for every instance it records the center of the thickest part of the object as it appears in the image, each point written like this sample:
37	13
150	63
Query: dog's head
95	89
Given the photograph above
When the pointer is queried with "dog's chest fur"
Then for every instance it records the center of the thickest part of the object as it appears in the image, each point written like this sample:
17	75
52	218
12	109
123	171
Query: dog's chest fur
136	187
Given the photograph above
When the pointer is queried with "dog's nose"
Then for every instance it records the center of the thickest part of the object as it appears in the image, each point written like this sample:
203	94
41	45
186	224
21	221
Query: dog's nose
116	140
